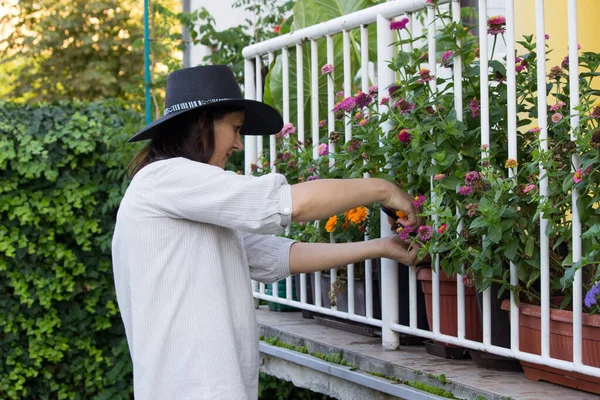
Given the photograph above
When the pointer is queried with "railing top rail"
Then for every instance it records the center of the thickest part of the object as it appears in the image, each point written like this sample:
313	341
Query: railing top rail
333	26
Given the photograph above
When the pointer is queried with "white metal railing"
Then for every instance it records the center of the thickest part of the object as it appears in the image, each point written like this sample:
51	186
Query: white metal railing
381	15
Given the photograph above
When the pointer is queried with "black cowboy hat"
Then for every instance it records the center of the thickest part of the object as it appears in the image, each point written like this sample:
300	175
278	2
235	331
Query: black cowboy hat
195	88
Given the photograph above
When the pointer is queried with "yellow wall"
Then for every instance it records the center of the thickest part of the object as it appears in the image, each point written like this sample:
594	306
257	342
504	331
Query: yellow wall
588	19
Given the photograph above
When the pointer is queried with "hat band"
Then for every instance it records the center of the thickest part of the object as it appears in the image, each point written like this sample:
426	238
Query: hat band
193	104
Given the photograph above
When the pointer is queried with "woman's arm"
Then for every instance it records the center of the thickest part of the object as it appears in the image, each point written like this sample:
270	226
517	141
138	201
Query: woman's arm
322	198
311	257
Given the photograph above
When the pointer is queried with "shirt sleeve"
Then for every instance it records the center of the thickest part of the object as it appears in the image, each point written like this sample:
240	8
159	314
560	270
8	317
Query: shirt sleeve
200	192
268	256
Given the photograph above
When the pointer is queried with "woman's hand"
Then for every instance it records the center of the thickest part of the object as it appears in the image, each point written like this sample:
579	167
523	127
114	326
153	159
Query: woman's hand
394	248
402	201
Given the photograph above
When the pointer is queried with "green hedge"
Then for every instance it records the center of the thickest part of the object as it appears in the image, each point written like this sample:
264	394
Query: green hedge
63	175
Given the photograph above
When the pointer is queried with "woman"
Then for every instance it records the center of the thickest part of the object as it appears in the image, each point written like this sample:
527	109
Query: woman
189	237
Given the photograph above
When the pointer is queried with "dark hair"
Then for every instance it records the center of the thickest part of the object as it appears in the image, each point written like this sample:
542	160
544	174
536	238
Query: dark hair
190	135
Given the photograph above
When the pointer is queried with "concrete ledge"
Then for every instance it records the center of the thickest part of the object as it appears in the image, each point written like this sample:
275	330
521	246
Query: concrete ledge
409	363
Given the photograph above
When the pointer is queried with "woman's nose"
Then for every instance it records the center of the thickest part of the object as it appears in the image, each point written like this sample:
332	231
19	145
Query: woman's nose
239	143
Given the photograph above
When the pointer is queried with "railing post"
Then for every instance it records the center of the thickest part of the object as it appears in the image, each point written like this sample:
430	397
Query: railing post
389	268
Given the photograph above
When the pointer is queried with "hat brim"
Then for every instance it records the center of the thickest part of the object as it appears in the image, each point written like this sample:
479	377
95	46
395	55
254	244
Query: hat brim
260	119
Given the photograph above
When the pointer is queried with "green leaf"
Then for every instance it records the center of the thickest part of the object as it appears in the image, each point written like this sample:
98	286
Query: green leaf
479	222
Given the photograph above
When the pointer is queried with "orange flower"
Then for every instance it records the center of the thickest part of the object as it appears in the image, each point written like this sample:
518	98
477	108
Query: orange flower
401	214
330	226
357	215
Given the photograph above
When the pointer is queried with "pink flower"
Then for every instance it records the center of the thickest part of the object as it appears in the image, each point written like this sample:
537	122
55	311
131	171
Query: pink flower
399	25
535	130
312	178
472	209
546	36
359	115
425	75
442	228
439	177
556	117
472	177
404	136
373	90
340	94
529	188
384	100
419	200
365	156
446	57
363	122
347	105
465	190
392	89
326	69
287	129
404	106
322	123
323	149
424	233
475	106
484	147
520	64
404	232
558	106
578	176
496	25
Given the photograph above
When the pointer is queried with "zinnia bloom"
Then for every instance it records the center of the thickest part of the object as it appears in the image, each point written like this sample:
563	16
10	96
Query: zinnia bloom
511	163
362	100
404	106
322	123
363	121
331	223
465	190
392	89
384	100
424	233
535	130
404	232
399	25
555	73
358	116
475	106
578	176
357	215
439	177
312	178
323	149
401	215
418	201
558	106
442	228
276	29
347	105
556	117
472	177
496	25
404	136
446	57
529	188
425	75
373	90
471	209
520	64
595	140
326	69
595	110
287	129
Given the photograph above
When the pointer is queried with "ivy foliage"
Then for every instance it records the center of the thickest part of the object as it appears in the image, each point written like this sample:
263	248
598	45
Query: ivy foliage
63	169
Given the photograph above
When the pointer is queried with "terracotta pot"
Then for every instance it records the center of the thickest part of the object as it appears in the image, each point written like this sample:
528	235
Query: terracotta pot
448	305
561	345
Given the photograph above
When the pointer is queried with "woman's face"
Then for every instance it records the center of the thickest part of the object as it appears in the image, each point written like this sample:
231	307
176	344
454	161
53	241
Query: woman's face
227	138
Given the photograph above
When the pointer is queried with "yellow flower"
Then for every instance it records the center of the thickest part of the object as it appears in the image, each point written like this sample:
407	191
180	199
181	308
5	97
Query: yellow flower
511	163
401	214
330	226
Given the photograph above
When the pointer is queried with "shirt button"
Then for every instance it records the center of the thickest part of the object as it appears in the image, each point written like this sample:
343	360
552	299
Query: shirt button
286	210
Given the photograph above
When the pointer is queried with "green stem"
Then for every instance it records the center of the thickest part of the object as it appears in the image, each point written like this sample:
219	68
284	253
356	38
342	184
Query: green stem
493	47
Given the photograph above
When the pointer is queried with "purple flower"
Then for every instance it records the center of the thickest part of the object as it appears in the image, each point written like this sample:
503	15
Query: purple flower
439	177
472	177
565	62
354	144
322	123
310	170
323	149
465	190
472	209
362	100
404	106
384	100
520	64
446	57
359	115
419	200
591	297
404	232
425	75
326	69
424	233
404	136
312	178
558	106
398	25
556	117
475	106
